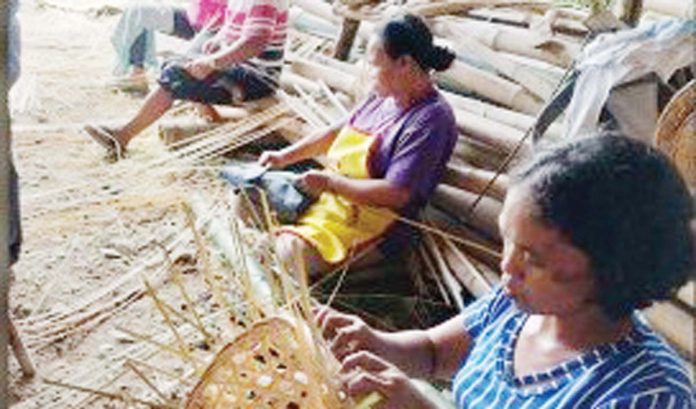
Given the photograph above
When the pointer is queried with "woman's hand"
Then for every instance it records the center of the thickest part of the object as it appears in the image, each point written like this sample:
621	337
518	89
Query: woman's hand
348	333
364	372
211	46
315	182
200	68
273	159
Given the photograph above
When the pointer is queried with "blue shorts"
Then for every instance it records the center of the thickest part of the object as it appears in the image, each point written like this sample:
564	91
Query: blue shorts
234	85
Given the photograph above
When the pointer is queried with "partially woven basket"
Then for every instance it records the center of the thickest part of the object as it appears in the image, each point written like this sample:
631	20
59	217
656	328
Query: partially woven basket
675	134
266	367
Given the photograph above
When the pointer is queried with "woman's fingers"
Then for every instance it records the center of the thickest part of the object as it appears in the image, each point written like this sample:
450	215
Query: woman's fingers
348	339
362	383
364	360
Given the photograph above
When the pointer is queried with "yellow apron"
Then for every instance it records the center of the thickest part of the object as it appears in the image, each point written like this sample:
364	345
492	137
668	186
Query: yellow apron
334	225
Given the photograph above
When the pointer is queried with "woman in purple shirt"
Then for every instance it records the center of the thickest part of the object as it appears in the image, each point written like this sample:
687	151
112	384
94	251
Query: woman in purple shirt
384	159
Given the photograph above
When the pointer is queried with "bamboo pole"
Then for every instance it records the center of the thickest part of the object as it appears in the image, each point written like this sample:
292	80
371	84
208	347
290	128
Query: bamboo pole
532	79
460	6
455	201
332	77
676	8
492	133
4	207
502	115
464	77
676	325
516	40
475	180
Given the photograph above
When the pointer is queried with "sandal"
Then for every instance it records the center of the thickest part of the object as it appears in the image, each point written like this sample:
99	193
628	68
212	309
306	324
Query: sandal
104	137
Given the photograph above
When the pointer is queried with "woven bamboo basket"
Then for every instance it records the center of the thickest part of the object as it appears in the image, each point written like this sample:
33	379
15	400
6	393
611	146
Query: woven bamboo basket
265	367
675	134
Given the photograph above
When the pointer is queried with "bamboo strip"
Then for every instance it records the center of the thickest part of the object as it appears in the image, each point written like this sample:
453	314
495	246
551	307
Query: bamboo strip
123	397
452	284
147	381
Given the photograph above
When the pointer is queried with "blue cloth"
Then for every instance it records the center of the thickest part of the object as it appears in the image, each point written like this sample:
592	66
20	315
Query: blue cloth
139	49
231	86
640	371
284	197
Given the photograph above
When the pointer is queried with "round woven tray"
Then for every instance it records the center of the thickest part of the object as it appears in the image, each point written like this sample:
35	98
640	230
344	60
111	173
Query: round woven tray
676	132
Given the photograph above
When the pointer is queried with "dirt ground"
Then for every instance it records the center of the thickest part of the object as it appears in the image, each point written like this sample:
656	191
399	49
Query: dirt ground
92	229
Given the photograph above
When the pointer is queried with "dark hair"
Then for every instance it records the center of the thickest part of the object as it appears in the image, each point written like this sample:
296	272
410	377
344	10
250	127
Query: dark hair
408	35
626	207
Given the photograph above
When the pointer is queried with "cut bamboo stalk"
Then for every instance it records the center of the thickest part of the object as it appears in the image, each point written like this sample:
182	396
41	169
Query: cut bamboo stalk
475	180
532	79
332	77
289	80
676	325
687	294
461	6
516	41
491	133
676	8
561	24
476	153
502	115
464	77
456	201
324	10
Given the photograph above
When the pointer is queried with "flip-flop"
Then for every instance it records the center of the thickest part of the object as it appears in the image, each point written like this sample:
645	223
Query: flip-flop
103	136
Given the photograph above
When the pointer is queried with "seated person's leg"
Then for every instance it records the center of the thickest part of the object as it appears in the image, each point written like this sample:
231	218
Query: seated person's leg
288	246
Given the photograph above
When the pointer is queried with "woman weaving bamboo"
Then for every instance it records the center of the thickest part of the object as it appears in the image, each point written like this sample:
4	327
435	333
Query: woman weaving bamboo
385	158
593	231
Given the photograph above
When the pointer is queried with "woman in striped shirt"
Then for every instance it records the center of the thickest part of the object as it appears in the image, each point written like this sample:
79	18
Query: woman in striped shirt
242	62
593	231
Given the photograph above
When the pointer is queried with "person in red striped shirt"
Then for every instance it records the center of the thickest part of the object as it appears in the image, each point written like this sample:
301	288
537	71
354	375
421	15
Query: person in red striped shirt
242	62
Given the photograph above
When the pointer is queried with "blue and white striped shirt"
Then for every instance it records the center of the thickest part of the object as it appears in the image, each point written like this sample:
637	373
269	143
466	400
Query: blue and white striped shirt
640	371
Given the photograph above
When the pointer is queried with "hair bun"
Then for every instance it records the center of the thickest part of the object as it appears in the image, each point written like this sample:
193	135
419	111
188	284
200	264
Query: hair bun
440	58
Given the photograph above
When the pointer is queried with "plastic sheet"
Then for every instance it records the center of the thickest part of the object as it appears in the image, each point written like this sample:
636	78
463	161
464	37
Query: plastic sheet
612	59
